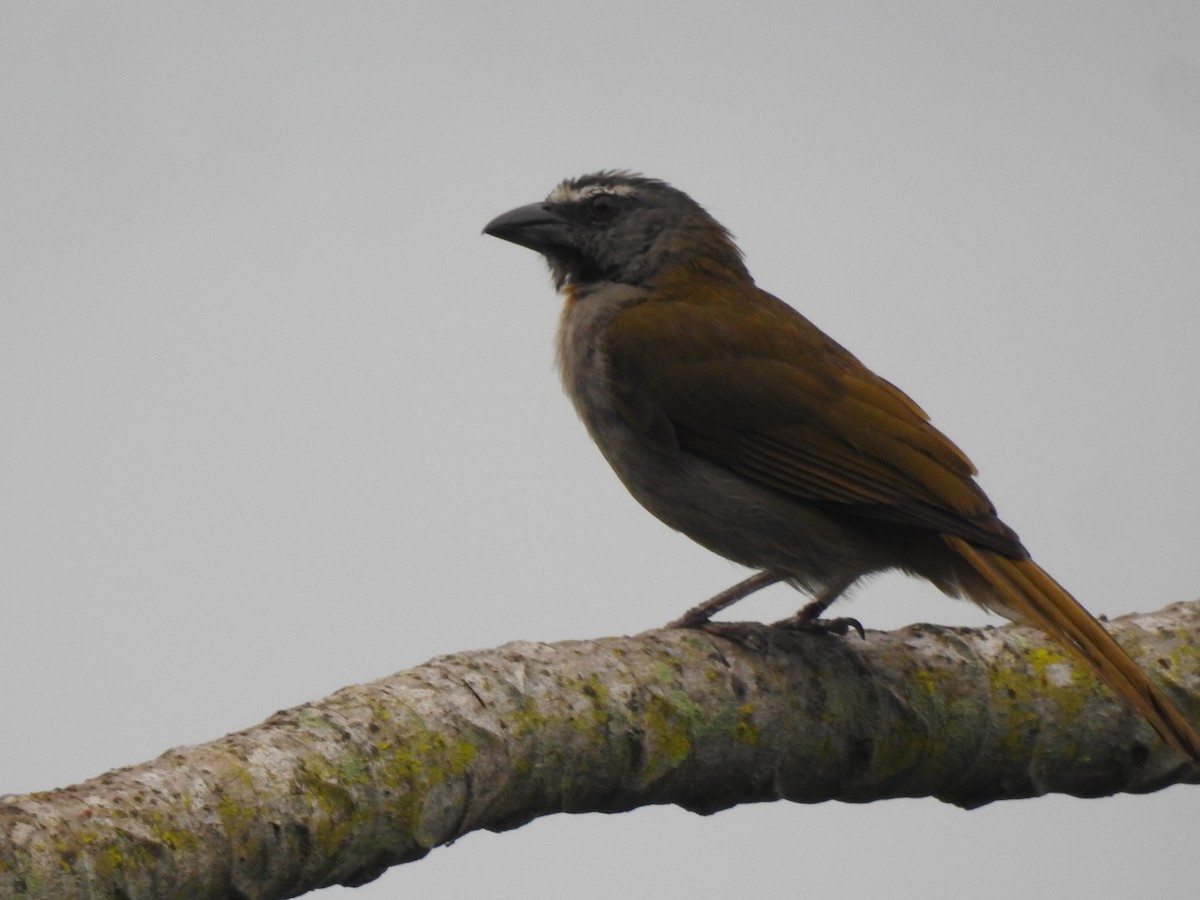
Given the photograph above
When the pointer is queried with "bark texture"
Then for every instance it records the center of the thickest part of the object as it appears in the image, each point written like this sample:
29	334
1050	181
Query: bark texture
379	774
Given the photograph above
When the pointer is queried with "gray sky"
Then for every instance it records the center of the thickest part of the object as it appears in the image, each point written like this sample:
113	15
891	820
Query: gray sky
277	418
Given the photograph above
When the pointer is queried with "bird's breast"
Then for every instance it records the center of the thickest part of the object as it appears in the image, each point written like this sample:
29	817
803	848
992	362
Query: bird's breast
650	474
730	515
582	359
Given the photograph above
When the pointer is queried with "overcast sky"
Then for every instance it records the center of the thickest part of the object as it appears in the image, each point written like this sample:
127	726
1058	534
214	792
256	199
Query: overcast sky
276	418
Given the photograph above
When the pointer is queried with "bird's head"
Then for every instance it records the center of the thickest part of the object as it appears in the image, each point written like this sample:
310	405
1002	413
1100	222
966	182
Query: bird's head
620	227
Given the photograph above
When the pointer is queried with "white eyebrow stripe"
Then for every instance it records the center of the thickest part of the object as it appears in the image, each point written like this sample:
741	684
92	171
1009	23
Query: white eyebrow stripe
567	193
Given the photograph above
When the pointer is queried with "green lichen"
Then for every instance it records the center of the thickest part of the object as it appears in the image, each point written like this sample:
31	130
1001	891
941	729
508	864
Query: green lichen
408	770
462	755
1184	656
744	730
110	861
1023	689
598	692
668	742
1068	696
313	718
170	838
237	818
336	812
928	682
664	671
352	769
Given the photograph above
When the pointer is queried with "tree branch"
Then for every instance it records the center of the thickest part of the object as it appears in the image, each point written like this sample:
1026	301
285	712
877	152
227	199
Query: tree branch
378	774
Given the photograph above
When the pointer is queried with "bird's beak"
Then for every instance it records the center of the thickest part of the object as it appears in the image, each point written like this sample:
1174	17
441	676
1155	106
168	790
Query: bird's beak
535	226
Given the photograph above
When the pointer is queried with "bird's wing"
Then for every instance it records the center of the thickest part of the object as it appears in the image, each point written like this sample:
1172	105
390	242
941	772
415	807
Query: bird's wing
748	383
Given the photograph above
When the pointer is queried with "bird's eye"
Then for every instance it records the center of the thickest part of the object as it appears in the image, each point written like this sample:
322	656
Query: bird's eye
602	208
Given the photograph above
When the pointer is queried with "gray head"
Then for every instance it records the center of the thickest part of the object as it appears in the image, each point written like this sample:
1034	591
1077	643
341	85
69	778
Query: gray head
622	227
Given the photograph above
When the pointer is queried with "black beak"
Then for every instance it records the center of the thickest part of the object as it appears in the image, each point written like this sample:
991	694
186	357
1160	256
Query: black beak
535	226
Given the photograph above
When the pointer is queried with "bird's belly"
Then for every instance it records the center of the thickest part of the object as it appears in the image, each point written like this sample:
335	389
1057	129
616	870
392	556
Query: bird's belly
742	521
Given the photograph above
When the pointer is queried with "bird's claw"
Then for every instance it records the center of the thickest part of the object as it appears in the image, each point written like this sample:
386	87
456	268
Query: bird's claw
801	622
750	635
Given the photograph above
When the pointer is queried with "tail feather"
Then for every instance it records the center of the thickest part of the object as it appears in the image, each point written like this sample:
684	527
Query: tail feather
1022	586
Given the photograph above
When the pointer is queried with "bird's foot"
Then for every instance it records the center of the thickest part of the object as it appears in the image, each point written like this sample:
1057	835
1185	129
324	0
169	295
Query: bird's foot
753	636
696	617
813	625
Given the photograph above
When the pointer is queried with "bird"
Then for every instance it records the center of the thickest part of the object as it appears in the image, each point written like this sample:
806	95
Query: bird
735	420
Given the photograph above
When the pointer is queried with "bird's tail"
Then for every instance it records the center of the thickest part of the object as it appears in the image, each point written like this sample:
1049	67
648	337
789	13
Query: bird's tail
1021	586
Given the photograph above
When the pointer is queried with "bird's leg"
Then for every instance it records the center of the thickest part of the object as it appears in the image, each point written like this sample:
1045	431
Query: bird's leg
700	614
809	618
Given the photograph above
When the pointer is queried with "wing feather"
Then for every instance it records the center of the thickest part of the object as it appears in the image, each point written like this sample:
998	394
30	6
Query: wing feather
750	384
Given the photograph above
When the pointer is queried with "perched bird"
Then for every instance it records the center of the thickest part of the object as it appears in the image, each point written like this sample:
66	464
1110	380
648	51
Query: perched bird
735	420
